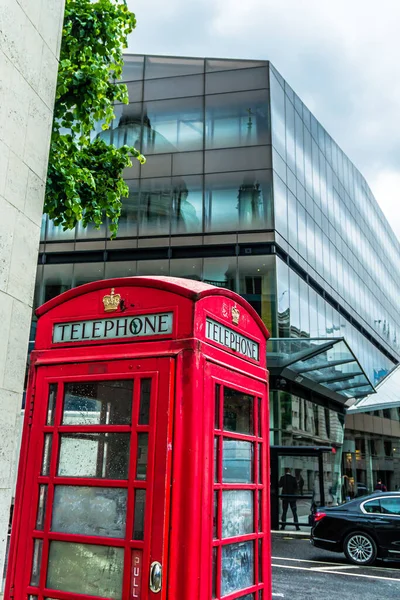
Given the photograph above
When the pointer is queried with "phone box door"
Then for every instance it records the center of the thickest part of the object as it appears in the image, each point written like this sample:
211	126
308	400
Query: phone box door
94	505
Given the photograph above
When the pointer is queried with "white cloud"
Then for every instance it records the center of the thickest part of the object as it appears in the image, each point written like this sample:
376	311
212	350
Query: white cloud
340	57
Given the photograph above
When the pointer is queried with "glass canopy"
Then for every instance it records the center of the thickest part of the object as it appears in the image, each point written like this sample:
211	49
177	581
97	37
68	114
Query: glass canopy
328	363
387	395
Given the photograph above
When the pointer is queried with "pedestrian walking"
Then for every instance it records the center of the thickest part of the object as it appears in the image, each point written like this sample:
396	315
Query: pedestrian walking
288	484
380	487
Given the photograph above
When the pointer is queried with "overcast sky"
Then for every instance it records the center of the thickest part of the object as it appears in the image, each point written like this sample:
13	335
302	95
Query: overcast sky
341	58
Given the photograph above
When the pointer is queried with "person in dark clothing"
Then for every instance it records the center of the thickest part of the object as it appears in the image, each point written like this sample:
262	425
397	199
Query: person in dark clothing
288	484
380	487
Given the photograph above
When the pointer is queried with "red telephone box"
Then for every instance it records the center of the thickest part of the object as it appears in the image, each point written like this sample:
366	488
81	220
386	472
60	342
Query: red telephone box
144	469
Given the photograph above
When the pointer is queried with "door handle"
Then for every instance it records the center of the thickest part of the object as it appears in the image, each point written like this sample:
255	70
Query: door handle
155	577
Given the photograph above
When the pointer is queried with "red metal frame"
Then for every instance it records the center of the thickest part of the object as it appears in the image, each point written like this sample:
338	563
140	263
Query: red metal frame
186	366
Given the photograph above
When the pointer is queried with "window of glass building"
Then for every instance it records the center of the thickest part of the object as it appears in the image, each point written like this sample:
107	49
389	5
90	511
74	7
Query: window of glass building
155	206
280	206
126	127
173	87
172	125
153	267
169	66
187	204
278	116
56	232
282	299
56	280
90	232
133	68
238	119
233	80
257	285
87	272
189	268
126	268
128	221
221	272
238	201
388	447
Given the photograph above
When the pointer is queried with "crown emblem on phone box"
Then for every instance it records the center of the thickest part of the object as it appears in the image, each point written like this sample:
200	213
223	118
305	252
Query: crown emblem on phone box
111	301
235	315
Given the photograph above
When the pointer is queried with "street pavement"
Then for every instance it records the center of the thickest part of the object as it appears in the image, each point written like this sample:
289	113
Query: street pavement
302	572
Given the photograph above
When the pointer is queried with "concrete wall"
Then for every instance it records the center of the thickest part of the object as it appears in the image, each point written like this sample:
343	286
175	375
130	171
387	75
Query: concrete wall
371	424
30	35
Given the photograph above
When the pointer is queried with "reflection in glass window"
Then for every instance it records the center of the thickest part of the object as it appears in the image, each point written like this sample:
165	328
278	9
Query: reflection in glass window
85	569
294	300
278	116
372	507
214	571
282	275
239	119
187	205
57	233
98	403
144	406
219	82
140	506
238	411
126	268
126	128
257	285
155	206
220	272
142	455
153	267
128	221
41	511
132	68
48	440
237	513
173	125
240	200
390	506
84	510
87	272
51	403
90	231
167	66
56	280
189	268
100	455
36	562
237	464
237	567
173	87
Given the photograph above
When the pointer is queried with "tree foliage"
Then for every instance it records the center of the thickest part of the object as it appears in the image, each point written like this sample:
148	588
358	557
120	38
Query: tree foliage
84	179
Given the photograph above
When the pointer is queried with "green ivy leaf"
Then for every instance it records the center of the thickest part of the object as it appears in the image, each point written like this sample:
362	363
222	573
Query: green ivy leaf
84	180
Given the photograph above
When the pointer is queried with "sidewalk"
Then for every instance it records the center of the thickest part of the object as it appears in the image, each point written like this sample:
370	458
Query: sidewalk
289	533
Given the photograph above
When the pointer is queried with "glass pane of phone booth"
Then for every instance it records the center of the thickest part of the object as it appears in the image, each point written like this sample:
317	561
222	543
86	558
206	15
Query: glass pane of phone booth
238	494
97	438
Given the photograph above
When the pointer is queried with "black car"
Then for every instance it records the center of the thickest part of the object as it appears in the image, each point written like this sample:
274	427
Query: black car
364	529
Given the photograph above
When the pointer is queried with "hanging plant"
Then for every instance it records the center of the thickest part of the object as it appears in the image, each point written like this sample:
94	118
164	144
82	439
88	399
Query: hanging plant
84	179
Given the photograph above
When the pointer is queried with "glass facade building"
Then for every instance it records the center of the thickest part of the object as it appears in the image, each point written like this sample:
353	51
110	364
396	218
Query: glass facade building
243	188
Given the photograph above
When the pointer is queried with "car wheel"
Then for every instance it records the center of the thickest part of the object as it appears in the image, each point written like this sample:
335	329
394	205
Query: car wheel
360	548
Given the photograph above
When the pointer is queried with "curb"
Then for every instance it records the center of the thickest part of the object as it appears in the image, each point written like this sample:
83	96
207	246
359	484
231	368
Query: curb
288	533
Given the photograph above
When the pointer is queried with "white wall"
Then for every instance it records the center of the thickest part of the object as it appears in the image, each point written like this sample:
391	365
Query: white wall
30	35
